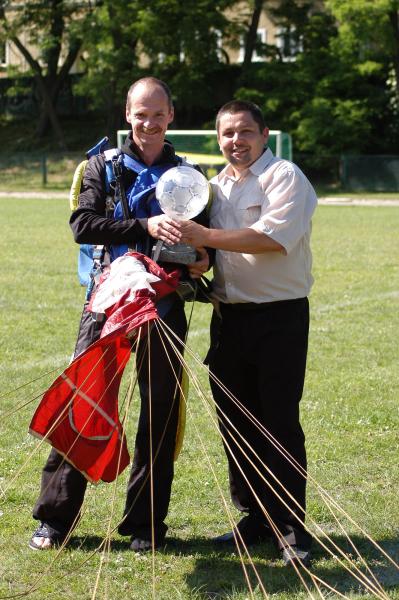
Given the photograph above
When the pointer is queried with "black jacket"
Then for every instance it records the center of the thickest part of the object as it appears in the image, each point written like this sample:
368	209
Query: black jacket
89	223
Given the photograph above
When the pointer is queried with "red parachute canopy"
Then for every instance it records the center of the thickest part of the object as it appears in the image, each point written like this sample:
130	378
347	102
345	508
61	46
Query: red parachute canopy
78	414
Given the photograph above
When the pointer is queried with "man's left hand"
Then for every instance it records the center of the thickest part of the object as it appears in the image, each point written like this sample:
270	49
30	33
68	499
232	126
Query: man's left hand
200	267
192	233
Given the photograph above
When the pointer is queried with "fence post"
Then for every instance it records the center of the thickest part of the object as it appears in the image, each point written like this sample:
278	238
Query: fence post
342	171
44	169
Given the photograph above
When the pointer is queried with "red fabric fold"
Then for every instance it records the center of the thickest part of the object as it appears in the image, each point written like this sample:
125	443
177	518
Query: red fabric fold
79	413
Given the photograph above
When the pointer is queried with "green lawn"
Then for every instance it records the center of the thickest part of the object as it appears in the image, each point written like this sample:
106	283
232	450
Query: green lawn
349	413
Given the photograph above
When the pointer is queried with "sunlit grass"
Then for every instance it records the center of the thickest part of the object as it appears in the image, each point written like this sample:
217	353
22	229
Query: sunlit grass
349	413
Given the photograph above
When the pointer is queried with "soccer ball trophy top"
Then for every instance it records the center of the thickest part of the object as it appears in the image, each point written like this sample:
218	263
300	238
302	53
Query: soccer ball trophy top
182	192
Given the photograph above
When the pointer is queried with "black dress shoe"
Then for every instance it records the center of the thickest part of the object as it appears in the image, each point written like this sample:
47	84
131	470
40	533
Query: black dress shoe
141	545
293	555
248	531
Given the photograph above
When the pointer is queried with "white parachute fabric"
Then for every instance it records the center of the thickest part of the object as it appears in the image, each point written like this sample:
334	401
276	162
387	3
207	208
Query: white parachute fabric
126	274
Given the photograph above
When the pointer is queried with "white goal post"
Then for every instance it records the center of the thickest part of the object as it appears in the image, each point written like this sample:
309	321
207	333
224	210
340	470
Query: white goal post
203	141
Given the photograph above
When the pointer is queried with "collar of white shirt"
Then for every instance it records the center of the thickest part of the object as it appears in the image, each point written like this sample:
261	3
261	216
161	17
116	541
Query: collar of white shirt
257	167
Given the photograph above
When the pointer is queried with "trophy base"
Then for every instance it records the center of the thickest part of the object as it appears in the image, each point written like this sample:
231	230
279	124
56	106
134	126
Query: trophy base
179	253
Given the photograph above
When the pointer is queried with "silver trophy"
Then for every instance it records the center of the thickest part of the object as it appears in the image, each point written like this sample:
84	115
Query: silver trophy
182	192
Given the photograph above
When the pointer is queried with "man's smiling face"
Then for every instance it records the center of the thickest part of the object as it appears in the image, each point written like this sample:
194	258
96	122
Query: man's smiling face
149	113
240	139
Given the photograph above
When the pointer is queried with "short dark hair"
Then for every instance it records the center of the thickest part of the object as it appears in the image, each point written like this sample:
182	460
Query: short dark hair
236	106
153	81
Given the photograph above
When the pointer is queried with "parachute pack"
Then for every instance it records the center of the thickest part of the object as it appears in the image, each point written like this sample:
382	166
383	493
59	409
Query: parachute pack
101	146
90	255
143	206
143	203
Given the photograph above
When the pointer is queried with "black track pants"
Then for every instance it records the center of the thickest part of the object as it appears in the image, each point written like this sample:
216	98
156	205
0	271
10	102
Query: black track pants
63	487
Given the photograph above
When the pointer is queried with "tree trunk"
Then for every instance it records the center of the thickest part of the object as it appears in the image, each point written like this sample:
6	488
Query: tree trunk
54	86
48	112
48	87
394	19
252	35
52	55
43	91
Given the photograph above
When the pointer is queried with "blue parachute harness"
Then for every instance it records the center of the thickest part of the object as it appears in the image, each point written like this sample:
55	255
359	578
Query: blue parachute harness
140	196
138	201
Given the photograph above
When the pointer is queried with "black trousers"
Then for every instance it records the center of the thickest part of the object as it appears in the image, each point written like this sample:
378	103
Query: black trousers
63	487
259	354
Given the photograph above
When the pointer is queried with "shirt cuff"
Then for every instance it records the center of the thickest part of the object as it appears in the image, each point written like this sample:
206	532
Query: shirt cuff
272	233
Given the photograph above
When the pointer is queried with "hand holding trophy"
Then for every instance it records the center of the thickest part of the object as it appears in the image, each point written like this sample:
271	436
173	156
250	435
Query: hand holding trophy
183	193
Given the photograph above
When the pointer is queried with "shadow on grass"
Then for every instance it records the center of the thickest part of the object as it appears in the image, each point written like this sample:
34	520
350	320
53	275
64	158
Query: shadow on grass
218	573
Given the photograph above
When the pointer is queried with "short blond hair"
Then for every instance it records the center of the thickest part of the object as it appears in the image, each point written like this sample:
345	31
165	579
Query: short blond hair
152	81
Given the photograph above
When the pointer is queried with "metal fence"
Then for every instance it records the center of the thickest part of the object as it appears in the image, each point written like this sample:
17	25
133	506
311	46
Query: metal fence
320	170
377	173
35	171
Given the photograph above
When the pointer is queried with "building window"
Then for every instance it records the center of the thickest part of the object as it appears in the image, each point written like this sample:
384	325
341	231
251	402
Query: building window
261	38
3	54
288	43
219	44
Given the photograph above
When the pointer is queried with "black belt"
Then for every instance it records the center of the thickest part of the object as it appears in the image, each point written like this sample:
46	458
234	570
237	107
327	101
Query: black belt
252	306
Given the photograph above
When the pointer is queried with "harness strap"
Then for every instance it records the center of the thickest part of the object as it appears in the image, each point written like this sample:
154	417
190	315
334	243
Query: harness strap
110	155
119	187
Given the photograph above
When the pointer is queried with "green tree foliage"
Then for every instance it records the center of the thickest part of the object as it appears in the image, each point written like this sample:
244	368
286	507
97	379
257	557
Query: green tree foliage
368	41
55	30
187	55
333	82
110	59
339	94
171	39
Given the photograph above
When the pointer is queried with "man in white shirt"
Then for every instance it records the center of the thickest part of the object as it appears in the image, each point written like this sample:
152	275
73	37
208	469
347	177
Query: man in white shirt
260	227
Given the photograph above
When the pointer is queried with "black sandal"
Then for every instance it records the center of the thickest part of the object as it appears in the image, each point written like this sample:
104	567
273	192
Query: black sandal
44	531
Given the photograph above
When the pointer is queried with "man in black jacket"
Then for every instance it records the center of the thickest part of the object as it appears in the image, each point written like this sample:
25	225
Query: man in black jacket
149	110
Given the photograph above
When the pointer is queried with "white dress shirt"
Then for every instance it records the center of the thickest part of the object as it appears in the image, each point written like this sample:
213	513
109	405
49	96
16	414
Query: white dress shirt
274	197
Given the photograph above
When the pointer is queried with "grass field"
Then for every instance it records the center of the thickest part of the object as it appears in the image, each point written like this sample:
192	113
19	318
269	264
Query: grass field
349	412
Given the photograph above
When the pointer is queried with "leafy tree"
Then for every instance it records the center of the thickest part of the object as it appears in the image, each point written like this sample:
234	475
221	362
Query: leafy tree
369	30
369	41
54	29
186	51
110	61
280	86
175	40
338	94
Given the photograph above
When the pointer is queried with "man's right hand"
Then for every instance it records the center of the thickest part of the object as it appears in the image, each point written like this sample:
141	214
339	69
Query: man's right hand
164	228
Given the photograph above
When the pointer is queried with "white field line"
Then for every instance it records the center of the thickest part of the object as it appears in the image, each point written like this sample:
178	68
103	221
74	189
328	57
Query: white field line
198	332
63	359
31	195
60	360
356	302
343	201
